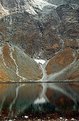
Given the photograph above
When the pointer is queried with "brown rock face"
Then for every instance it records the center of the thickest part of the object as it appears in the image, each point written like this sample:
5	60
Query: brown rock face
22	30
37	35
13	58
60	61
50	38
51	34
7	57
16	66
69	26
61	68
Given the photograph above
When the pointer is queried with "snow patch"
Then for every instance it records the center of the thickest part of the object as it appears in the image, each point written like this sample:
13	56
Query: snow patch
41	61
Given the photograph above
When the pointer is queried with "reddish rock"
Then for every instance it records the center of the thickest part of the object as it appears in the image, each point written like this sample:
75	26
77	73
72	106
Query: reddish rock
60	61
16	66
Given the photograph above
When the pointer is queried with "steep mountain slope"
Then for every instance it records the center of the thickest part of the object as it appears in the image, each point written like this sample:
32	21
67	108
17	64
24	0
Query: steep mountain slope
15	66
39	29
18	72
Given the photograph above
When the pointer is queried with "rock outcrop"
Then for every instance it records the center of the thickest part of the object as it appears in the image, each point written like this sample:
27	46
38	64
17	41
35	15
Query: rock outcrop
3	12
62	70
39	29
69	25
16	67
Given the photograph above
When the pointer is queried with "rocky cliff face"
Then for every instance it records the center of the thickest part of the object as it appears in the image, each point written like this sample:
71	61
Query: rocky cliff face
39	29
23	81
49	26
3	12
23	22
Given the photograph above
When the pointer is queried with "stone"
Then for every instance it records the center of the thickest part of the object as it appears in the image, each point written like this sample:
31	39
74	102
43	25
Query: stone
3	11
58	69
60	61
16	67
39	29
